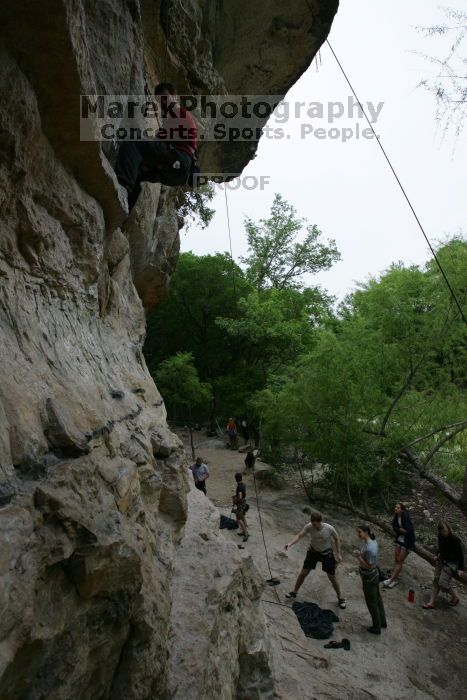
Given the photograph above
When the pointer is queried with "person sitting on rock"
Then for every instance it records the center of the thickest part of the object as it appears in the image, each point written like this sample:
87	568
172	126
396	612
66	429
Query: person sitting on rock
166	159
323	540
200	474
403	544
240	506
450	561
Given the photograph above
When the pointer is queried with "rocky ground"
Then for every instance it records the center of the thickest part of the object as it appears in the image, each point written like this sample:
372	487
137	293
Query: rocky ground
421	655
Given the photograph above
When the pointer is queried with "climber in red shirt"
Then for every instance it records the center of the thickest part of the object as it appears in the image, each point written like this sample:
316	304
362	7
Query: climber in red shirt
168	158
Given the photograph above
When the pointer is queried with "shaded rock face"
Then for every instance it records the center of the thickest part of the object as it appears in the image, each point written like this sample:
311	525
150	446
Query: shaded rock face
92	484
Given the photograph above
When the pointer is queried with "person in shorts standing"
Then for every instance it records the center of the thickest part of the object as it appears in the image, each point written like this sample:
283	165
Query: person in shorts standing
403	544
450	562
323	541
240	506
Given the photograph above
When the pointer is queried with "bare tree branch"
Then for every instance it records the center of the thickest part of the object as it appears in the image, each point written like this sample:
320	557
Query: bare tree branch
460	427
434	432
397	398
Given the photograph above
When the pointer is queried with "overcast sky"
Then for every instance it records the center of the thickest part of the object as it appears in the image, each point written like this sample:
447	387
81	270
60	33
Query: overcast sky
346	189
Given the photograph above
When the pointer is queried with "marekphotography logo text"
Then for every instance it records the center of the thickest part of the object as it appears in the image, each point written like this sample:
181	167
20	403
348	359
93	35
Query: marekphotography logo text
223	118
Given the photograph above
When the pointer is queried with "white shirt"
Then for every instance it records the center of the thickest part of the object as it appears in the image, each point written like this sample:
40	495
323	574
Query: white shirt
199	471
321	540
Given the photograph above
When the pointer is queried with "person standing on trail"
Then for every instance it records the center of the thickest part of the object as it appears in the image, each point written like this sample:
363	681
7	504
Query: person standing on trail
250	460
245	430
200	474
323	541
450	561
367	557
232	433
240	506
403	544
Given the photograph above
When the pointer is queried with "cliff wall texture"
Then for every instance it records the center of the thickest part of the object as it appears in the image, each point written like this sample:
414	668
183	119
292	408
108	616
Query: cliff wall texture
93	486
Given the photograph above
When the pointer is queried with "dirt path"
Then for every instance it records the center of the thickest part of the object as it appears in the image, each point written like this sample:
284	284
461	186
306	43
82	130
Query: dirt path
421	655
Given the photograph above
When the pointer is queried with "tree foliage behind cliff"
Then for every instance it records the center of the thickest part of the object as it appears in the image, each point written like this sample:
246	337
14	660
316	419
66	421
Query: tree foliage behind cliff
383	392
243	324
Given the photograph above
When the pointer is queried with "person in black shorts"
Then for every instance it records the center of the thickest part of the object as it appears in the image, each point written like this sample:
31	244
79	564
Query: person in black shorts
404	542
240	506
324	539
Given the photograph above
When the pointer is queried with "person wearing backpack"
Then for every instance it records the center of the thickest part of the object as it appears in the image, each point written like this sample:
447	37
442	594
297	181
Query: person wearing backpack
170	158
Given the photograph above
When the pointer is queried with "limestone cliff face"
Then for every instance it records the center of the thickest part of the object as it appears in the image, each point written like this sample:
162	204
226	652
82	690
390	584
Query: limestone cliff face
93	486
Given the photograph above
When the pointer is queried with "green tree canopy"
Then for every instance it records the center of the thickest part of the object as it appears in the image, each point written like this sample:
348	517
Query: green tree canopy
202	289
178	381
277	257
385	384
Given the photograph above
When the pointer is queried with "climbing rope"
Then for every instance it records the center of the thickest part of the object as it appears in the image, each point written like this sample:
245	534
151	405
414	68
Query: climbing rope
167	35
272	581
234	284
388	160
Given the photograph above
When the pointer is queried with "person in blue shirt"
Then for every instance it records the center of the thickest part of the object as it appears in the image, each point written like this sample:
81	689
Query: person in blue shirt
367	557
200	473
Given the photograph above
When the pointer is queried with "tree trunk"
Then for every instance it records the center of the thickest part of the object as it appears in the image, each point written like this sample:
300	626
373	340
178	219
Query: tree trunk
190	425
450	493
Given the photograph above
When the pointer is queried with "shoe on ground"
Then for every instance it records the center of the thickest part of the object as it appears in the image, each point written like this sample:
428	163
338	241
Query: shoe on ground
386	582
393	584
372	630
292	594
342	603
246	538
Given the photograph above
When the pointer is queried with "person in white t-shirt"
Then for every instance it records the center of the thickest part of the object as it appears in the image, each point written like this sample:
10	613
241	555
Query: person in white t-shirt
324	547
